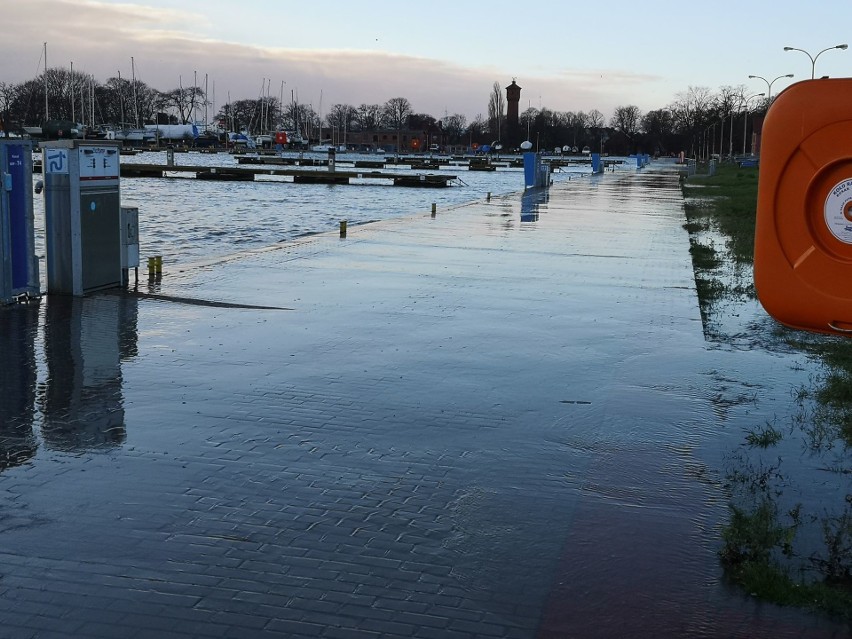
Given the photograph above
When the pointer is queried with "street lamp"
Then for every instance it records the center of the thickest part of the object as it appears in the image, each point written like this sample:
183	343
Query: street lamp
814	58
768	83
745	119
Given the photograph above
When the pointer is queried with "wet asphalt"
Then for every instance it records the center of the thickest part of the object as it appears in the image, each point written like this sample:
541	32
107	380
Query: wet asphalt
496	421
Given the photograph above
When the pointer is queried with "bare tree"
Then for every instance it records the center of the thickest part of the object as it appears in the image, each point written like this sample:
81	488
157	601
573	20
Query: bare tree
496	109
727	101
396	112
595	119
8	93
658	126
692	111
340	119
577	123
368	117
454	126
184	100
625	119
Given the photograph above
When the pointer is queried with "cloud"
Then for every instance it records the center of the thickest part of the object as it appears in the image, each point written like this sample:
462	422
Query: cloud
100	38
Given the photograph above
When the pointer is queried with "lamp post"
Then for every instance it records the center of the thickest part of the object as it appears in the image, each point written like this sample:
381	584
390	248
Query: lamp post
768	83
814	57
745	118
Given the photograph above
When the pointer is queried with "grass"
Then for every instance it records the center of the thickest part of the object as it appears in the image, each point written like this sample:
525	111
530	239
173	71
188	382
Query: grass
764	437
758	541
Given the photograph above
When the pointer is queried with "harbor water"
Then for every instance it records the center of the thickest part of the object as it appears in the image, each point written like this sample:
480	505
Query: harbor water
187	220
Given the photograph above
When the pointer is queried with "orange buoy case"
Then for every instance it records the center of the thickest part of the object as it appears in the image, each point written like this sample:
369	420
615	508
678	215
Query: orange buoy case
803	237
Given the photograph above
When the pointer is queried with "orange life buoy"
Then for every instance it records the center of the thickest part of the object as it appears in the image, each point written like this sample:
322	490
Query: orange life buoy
803	236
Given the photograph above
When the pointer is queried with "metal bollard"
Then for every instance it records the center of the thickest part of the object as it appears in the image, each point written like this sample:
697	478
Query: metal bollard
434	209
488	197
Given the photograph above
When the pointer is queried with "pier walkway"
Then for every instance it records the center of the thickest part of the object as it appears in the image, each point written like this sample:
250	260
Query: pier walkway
494	422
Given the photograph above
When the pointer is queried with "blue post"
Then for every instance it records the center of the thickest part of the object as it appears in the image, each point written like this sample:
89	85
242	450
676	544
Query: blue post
596	163
530	162
18	262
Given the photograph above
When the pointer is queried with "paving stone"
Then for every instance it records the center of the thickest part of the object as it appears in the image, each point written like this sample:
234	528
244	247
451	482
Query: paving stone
416	450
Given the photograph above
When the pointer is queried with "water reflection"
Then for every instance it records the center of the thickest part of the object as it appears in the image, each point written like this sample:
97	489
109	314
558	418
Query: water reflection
532	202
18	328
78	403
85	340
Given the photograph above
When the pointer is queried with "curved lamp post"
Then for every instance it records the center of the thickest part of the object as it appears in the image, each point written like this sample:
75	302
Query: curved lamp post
768	83
814	57
745	119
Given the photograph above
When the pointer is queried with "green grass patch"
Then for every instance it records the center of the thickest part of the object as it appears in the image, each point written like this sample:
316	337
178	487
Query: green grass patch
764	437
759	543
733	208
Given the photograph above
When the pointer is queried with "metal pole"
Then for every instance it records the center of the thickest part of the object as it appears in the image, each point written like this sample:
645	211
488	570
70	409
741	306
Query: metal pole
813	59
731	141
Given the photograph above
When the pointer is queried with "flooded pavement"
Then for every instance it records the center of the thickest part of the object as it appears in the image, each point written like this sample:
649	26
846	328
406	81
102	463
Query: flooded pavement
503	421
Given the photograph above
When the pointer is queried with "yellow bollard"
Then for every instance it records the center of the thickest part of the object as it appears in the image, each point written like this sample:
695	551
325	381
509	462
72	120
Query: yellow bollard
434	209
158	264
152	266
343	228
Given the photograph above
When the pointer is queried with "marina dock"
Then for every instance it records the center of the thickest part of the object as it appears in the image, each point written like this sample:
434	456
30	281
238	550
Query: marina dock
299	175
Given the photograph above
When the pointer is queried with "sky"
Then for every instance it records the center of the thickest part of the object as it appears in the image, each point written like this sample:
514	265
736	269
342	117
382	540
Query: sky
443	55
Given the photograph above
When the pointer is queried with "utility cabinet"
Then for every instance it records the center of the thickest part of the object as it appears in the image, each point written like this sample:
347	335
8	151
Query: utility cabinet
82	216
129	240
18	262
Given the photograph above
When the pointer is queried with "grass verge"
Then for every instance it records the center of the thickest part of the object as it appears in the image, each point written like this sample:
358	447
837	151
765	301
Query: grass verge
759	539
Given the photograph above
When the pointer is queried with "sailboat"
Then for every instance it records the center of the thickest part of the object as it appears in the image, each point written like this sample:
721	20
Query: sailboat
53	129
132	134
325	146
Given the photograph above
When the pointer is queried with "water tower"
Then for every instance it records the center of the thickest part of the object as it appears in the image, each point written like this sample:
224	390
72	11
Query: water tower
513	124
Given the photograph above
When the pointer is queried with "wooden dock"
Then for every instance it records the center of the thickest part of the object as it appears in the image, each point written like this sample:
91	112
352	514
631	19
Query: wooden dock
299	175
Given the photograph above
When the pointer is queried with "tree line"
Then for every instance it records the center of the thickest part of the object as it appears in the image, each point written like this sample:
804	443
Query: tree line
698	121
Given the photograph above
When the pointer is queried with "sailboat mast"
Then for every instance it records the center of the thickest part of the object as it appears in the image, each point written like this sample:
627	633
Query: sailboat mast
194	93
46	112
205	101
135	101
120	98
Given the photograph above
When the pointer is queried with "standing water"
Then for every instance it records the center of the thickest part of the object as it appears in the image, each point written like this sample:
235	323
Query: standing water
187	220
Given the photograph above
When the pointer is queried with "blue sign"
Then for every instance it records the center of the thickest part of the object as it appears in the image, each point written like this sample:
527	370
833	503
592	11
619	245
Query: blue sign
56	161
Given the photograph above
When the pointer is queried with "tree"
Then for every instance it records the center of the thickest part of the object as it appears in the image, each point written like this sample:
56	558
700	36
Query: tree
454	127
496	108
368	117
396	112
658	127
239	114
478	130
8	93
595	119
299	117
527	118
727	101
184	100
691	112
341	116
576	124
625	120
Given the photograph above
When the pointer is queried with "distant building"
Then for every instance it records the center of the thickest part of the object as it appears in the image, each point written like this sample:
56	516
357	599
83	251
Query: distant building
513	122
410	140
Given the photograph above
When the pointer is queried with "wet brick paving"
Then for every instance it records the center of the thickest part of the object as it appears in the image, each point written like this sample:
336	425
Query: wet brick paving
466	426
